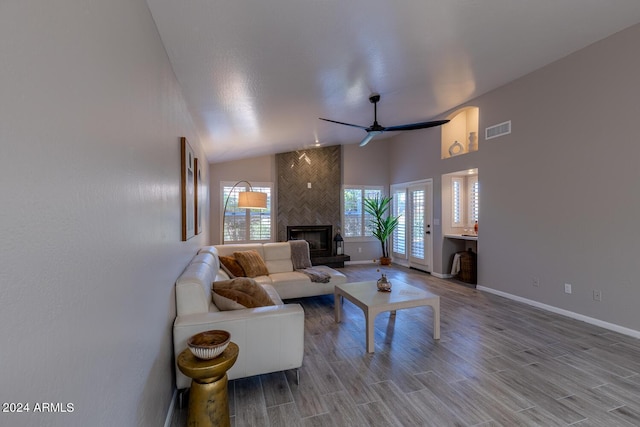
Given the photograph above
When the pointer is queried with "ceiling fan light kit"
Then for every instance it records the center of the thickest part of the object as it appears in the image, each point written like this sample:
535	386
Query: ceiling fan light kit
376	129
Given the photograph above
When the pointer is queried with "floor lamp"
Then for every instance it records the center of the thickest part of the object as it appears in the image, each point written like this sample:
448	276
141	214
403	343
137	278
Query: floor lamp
246	200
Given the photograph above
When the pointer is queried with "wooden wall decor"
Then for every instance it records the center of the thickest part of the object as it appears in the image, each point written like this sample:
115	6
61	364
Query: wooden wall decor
187	178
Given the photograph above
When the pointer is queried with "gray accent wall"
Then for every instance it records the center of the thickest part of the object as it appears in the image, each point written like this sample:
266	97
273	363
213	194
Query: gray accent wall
309	188
559	198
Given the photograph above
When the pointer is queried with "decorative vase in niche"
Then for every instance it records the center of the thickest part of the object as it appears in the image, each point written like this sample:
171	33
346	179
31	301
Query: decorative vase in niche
455	149
384	285
473	142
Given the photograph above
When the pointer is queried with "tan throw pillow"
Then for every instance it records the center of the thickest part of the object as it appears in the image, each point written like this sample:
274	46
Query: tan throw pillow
231	266
239	293
252	263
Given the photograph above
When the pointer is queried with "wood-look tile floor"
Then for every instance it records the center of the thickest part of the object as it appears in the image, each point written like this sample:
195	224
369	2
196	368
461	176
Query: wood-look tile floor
498	363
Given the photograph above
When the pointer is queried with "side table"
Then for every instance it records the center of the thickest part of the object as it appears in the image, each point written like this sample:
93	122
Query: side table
208	400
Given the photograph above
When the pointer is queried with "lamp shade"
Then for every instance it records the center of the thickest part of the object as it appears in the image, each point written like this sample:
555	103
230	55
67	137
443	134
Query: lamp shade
252	200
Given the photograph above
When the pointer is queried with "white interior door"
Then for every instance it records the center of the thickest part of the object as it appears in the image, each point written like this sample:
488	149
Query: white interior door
420	239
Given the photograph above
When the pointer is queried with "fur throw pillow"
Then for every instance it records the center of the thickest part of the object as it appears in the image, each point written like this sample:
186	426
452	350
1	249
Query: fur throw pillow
252	263
239	293
230	265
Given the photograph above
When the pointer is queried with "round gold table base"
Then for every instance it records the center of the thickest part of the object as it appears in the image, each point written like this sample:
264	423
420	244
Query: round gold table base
209	404
208	400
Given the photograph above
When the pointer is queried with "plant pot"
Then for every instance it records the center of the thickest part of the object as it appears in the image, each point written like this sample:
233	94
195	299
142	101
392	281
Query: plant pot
385	261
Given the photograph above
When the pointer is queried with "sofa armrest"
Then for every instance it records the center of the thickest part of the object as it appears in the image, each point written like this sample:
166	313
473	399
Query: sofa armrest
270	338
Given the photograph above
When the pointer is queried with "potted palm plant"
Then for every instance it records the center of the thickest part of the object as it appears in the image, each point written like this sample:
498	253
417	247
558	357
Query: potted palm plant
382	224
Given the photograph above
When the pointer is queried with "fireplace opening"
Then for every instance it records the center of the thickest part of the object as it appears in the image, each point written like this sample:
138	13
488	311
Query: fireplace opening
319	237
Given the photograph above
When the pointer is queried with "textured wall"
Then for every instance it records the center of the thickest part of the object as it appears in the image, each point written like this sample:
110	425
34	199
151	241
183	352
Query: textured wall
559	196
90	220
297	203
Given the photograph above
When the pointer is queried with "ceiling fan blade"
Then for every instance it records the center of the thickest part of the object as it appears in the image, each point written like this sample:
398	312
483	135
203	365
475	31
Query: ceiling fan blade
414	126
369	137
343	123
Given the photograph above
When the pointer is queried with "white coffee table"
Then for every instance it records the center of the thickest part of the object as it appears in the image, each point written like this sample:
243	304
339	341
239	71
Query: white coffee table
372	302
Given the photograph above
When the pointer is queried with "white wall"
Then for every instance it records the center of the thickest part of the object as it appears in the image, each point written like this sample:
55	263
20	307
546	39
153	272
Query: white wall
90	220
559	196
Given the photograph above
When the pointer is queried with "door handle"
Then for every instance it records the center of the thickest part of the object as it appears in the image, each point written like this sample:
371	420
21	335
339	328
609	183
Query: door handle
427	232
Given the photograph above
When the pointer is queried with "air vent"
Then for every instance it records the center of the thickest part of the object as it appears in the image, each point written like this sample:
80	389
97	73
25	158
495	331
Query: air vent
497	130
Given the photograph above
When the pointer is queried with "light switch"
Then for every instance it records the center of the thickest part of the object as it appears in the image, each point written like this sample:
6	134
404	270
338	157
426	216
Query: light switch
308	185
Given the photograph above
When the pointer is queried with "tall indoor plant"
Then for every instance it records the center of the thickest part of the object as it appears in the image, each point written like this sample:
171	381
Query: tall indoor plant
383	223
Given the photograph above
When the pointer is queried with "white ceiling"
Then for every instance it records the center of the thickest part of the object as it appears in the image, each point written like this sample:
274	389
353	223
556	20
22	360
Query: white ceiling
257	75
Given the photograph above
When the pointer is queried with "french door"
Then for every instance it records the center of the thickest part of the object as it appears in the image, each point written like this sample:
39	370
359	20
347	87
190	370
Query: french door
414	240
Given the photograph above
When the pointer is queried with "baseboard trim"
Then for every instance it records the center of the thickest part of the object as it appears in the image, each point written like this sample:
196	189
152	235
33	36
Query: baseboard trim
172	406
441	275
359	262
597	322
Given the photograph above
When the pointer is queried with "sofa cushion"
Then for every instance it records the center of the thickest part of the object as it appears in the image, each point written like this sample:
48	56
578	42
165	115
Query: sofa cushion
231	266
240	293
277	257
252	263
230	248
295	277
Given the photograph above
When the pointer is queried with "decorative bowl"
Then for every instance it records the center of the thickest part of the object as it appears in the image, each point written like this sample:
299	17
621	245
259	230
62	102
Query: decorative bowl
209	344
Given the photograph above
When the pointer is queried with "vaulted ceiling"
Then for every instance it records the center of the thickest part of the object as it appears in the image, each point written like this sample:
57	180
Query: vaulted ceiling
257	75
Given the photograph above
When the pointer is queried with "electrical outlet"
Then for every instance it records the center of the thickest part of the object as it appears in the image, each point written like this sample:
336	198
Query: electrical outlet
535	282
597	295
567	288
359	250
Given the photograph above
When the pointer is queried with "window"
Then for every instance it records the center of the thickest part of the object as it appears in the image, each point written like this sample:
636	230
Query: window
456	202
245	225
465	196
474	196
418	204
356	221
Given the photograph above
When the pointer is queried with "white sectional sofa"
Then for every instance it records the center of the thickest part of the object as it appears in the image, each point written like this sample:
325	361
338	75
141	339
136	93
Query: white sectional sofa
287	282
270	338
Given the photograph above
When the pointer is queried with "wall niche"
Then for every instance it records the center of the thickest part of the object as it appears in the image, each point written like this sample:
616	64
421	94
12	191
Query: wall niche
460	135
309	183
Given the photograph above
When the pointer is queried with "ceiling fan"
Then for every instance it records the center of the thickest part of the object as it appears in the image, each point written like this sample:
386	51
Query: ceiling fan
376	129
